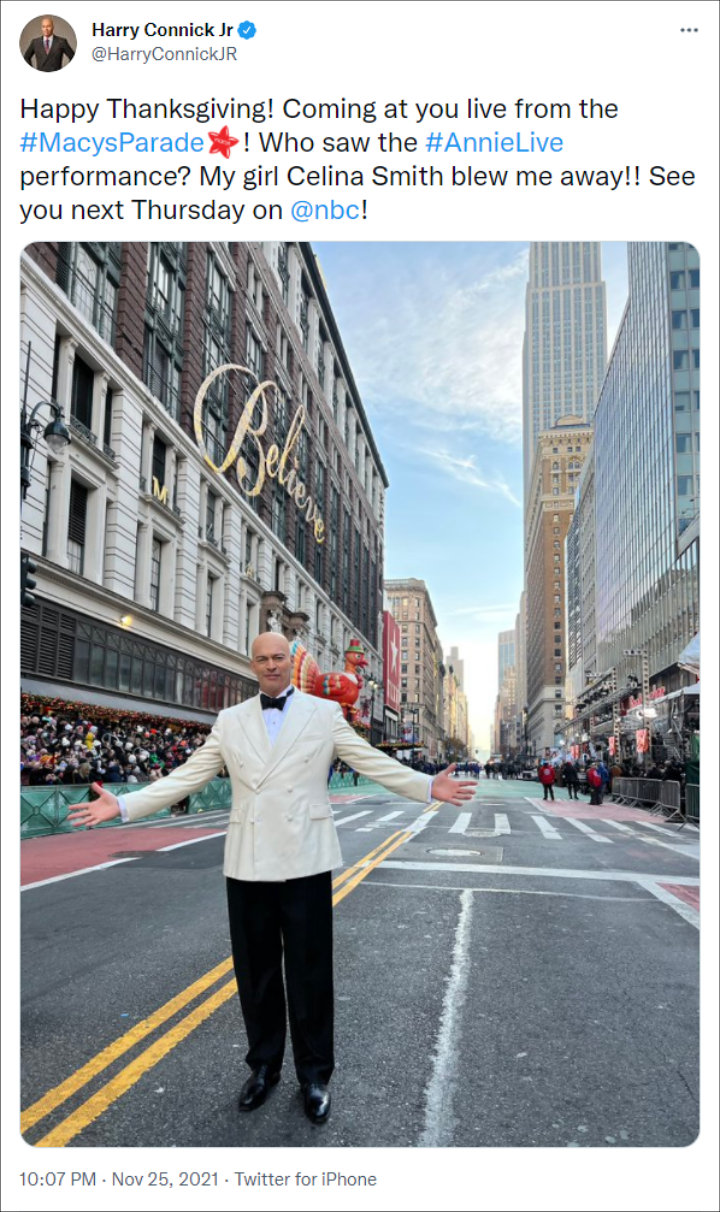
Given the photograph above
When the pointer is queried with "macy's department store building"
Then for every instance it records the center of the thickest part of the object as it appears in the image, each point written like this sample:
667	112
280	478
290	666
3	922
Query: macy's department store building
181	519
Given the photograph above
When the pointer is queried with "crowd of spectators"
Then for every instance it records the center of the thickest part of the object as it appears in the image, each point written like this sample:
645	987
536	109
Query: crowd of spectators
65	742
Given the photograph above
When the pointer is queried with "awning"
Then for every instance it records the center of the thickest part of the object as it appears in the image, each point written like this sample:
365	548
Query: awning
690	656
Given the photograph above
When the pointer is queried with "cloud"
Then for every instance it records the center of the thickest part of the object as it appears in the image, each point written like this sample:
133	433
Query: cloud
442	335
465	470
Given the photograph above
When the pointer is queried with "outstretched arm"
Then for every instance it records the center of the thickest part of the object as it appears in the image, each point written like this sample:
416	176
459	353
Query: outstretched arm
104	808
451	791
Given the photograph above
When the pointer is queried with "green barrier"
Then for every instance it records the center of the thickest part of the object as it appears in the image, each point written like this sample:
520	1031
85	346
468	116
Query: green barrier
44	810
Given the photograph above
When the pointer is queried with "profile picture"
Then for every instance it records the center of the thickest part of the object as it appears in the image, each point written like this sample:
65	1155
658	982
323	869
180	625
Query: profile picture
48	43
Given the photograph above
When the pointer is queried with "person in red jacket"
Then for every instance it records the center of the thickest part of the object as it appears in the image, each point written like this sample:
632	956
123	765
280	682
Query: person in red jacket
546	774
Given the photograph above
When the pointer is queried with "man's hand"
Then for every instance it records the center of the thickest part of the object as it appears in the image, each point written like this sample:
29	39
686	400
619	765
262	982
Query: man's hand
104	808
450	791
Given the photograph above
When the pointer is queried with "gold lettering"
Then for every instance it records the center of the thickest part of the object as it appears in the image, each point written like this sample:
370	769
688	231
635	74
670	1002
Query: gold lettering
293	434
274	464
157	491
290	481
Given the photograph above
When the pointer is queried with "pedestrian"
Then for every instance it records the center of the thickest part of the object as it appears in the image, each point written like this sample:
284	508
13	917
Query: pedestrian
595	782
570	778
546	774
604	779
281	846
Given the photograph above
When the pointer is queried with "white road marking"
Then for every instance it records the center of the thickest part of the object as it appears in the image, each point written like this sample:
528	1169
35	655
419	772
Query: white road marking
619	825
673	833
595	837
191	841
462	822
502	824
691	881
354	817
439	1125
580	896
688	912
390	817
422	821
69	875
546	829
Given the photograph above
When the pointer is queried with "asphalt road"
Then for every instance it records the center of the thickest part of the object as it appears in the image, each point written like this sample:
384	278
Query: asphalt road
512	974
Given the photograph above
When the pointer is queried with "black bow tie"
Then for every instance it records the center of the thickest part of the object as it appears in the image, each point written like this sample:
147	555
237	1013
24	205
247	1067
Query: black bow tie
266	701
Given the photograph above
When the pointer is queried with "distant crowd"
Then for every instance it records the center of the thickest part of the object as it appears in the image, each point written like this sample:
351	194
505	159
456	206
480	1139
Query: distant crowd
65	743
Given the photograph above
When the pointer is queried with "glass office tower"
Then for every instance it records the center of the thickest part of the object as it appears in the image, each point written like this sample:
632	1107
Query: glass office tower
647	437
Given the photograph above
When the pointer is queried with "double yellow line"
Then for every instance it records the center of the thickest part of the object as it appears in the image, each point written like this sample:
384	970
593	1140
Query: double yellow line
99	1102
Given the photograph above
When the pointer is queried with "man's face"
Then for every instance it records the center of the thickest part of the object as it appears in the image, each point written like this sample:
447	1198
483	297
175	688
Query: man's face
47	27
271	663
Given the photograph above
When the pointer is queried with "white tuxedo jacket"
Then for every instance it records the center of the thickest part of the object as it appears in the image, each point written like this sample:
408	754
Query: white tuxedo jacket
281	825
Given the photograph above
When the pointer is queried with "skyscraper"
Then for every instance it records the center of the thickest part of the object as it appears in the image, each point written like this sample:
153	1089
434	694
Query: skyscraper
564	360
565	345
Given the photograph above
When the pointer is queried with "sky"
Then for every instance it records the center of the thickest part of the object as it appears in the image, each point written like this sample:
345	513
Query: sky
433	333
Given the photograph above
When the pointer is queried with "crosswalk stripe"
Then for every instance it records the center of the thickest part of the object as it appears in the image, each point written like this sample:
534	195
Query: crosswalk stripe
390	817
546	829
346	819
658	829
502	824
619	825
461	823
596	837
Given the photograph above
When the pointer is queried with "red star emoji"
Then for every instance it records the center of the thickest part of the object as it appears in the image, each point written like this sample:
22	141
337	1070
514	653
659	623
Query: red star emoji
222	141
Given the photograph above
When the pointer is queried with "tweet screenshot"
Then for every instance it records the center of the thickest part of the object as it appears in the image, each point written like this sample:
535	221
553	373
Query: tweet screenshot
362	354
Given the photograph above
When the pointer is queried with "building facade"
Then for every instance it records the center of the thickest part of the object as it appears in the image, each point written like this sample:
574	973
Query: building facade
565	344
455	708
421	663
561	452
647	509
506	707
222	478
640	533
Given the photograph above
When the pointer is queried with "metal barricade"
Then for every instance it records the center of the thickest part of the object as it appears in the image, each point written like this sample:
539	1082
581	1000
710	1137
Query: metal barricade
692	802
670	801
660	797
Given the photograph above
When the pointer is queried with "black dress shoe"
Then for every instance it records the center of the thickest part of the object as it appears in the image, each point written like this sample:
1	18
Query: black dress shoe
317	1102
256	1088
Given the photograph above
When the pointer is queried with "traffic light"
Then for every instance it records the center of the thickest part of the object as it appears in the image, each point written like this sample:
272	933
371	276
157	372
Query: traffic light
27	580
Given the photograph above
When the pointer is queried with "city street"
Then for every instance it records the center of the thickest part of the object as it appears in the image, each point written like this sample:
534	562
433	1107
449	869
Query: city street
512	974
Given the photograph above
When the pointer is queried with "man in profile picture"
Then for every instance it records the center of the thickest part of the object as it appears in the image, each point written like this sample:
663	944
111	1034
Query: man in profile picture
49	49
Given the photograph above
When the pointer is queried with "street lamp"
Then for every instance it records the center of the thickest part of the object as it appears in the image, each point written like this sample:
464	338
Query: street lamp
56	434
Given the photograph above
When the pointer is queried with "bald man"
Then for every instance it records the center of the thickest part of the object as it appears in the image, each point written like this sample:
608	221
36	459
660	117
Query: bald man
48	50
280	849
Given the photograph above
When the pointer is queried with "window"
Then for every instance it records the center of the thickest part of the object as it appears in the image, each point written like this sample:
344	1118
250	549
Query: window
210	512
155	567
216	352
90	275
81	401
209	602
108	419
159	460
300	537
254	354
283	272
254	287
77	519
304	314
164	308
278	510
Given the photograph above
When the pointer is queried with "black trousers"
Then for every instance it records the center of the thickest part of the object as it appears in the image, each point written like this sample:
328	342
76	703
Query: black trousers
285	925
